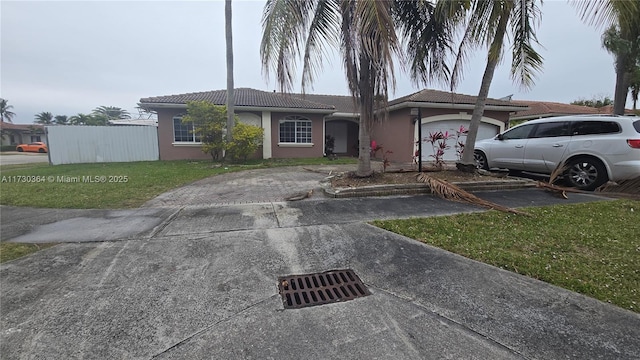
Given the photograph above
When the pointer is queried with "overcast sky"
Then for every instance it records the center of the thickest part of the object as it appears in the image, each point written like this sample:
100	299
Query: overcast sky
69	57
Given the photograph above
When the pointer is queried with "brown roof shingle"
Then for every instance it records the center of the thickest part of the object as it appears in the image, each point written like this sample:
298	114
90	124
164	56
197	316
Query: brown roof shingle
546	108
243	97
341	103
437	96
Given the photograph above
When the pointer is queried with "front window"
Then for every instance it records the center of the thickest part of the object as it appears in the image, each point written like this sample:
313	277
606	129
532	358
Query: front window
520	132
295	130
184	132
35	138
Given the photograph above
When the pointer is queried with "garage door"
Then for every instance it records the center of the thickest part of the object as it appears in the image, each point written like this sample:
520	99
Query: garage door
485	131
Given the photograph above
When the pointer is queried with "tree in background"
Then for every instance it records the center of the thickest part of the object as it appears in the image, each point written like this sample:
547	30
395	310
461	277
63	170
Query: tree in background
595	102
622	38
61	120
368	36
487	23
90	120
634	86
44	118
112	112
209	123
5	111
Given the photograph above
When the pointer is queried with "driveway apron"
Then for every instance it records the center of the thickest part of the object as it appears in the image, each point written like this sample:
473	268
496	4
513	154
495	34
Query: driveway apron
202	284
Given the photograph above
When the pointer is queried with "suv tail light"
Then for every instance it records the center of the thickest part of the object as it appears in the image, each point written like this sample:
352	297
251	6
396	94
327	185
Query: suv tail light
634	143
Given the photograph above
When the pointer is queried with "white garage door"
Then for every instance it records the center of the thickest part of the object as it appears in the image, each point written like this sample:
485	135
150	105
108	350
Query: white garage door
485	131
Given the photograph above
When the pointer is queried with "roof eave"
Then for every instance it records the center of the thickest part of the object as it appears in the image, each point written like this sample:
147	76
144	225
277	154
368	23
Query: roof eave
454	106
155	106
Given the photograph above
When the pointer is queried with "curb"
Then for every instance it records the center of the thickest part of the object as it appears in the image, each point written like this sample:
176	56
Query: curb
421	188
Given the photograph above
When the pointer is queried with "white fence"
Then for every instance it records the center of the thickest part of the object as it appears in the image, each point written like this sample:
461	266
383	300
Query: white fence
96	144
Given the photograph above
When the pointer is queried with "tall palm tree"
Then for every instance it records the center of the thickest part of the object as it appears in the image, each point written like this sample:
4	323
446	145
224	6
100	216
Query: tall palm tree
230	94
5	111
61	119
112	112
368	35
622	38
487	24
44	118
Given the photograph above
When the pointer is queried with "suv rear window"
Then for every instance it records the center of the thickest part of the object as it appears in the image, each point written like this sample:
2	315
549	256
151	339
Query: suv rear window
595	127
636	125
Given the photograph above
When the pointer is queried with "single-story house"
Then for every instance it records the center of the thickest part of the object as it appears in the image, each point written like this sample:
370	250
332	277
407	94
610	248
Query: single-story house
16	134
296	125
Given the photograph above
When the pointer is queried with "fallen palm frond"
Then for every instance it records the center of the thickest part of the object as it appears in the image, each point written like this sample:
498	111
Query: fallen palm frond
553	178
452	192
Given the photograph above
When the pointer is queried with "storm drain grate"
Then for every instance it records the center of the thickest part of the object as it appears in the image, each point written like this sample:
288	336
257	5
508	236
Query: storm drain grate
333	286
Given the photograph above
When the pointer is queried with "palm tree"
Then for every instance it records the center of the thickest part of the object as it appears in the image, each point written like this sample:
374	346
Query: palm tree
61	120
622	38
112	112
368	35
80	119
5	111
487	23
44	118
230	95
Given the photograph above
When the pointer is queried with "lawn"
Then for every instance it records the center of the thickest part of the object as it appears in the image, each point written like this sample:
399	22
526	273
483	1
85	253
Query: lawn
592	248
114	185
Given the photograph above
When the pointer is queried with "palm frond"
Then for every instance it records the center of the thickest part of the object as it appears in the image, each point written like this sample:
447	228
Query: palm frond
323	31
452	192
526	62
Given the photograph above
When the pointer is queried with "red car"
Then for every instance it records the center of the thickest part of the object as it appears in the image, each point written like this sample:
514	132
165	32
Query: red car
39	147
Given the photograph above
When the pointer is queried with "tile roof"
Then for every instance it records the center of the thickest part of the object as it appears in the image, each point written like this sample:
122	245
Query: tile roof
243	97
24	127
437	96
341	103
545	109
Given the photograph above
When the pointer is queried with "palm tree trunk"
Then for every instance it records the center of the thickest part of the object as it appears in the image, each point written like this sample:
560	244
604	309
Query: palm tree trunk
230	95
622	85
467	163
365	87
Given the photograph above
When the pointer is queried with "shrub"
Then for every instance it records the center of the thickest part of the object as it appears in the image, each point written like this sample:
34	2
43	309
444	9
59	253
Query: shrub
246	141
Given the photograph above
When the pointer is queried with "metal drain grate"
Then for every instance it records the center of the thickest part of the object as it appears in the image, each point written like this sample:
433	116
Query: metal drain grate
333	286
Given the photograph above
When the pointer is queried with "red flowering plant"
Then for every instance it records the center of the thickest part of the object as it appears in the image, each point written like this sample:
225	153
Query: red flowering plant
438	141
462	131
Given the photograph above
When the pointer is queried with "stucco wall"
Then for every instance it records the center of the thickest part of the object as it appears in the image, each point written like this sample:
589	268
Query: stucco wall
295	150
397	134
168	151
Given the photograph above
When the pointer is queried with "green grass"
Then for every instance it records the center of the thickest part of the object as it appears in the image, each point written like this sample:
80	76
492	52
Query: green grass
10	251
144	181
593	248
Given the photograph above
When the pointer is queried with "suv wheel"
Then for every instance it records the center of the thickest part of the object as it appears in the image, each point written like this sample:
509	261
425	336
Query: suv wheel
481	160
586	173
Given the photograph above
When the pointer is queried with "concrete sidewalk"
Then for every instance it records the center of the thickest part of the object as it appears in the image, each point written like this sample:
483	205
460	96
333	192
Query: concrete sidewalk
200	282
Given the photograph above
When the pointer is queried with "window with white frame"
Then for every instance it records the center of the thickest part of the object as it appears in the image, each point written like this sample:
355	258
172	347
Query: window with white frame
184	133
295	130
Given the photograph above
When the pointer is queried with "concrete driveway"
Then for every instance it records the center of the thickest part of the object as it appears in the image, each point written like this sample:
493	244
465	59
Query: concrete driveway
200	282
14	158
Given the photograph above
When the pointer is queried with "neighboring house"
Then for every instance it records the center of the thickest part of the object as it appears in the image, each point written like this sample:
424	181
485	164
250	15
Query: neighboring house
15	134
295	125
543	109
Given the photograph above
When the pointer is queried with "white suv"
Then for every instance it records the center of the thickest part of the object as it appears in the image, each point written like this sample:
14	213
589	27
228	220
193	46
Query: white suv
593	149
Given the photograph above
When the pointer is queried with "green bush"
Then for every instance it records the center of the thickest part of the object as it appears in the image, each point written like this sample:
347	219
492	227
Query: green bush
246	141
8	148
